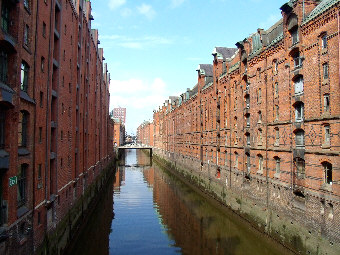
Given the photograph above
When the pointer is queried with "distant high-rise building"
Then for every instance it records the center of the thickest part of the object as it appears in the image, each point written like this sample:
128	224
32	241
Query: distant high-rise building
120	113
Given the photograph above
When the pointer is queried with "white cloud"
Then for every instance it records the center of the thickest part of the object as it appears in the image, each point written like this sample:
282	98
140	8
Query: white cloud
114	4
140	97
176	3
146	10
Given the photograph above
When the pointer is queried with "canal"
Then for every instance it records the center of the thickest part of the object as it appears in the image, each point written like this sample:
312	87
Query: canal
147	210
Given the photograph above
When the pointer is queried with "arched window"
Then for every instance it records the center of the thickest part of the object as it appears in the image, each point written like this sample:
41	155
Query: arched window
247	98
300	138
299	111
24	76
236	160
277	164
328	172
247	163
22	184
22	129
298	85
260	158
3	66
300	167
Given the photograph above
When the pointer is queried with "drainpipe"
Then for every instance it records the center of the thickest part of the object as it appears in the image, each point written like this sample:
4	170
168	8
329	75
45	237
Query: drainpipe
35	114
47	110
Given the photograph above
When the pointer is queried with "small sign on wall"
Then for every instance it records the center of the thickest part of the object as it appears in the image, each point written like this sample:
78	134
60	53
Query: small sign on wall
13	181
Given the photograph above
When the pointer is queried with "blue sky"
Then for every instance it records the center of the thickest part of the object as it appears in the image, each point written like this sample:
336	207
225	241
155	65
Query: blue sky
153	47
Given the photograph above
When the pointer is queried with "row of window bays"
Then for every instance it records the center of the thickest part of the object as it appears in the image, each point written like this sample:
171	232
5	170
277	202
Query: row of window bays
253	162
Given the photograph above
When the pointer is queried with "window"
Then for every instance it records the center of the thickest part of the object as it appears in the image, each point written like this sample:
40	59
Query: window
300	138
277	165
42	64
295	35
326	102
276	66
248	119
248	163
325	71
276	112
259	117
41	99
2	129
22	129
5	20
26	35
61	135
44	29
248	139
276	89
297	60
260	163
26	4
300	167
327	136
327	167
247	101
299	109
24	76
259	96
236	160
298	85
39	172
21	195
3	66
40	134
277	137
260	136
324	41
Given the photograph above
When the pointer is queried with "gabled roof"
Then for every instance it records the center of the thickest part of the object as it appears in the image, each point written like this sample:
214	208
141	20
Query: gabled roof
224	52
205	69
321	8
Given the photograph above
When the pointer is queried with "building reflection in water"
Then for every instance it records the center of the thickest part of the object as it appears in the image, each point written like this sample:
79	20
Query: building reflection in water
197	227
155	213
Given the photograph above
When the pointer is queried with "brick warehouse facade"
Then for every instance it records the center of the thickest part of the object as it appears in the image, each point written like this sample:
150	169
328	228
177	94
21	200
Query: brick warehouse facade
55	131
261	128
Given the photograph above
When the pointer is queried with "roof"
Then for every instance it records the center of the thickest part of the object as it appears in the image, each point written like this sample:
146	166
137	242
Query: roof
321	8
224	52
205	69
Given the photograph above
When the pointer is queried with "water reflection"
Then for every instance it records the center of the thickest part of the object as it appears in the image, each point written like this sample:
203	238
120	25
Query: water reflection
155	213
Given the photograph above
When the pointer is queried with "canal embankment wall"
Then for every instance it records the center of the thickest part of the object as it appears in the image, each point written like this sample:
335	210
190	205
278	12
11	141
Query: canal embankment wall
270	207
66	231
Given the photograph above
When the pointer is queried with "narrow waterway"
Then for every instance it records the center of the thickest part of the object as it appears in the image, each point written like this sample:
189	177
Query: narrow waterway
149	211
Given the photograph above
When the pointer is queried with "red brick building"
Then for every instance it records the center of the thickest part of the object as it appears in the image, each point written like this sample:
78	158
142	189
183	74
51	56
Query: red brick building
145	133
260	129
118	132
119	113
54	122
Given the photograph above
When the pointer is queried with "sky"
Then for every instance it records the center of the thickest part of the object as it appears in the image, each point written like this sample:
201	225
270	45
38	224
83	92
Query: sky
153	47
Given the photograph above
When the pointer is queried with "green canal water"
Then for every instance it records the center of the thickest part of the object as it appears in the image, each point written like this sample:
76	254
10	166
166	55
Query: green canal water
147	210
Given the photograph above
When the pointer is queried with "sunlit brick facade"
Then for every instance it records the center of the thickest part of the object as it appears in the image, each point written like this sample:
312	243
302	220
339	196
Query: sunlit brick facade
262	124
55	132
